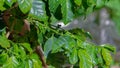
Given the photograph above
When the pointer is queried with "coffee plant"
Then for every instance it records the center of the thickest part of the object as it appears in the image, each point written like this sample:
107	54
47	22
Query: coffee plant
30	38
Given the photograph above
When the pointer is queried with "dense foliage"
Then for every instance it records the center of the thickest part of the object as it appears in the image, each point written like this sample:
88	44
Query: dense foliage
27	24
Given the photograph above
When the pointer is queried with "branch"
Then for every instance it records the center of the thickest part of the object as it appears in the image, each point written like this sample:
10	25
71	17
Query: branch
39	51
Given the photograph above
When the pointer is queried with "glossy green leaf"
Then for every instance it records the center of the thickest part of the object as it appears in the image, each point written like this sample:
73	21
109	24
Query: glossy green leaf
85	59
36	64
66	11
69	42
109	47
73	58
92	51
3	58
27	46
53	4
38	10
25	5
49	44
78	2
1	5
106	56
11	63
22	53
28	64
4	42
10	2
58	45
65	42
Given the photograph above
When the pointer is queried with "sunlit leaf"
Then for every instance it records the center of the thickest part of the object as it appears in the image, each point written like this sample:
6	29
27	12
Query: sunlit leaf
28	64
36	64
1	5
11	63
85	59
27	46
4	42
22	53
93	52
106	56
78	2
109	47
25	5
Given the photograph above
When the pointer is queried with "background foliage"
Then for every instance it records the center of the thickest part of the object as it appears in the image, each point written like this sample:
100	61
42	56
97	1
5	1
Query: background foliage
26	24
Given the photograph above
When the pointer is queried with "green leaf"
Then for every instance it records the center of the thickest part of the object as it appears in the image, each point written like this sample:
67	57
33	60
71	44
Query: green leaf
36	61
106	56
49	44
27	46
58	45
10	2
36	64
100	3
109	47
28	64
3	58
69	42
53	4
25	5
66	11
73	58
11	63
78	2
4	42
63	41
91	2
15	48
1	5
93	52
85	59
22	53
38	10
89	10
